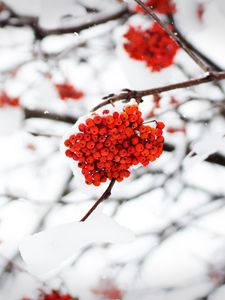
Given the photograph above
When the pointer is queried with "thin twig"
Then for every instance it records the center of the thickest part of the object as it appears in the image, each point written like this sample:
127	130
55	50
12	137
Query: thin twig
104	196
185	41
175	37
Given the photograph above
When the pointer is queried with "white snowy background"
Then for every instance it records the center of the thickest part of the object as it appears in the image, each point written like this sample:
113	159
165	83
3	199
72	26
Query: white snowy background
175	207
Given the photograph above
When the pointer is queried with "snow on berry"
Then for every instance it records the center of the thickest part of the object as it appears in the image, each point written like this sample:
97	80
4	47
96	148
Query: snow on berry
106	146
160	6
68	91
153	46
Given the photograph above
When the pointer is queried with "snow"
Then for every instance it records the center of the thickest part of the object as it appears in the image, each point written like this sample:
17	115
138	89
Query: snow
52	18
210	143
11	119
201	33
48	251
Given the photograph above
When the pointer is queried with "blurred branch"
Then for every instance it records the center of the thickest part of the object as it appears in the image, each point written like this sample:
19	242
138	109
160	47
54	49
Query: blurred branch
37	113
184	40
94	19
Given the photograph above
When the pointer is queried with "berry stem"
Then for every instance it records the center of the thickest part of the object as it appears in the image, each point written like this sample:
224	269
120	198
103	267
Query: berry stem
132	94
103	197
175	37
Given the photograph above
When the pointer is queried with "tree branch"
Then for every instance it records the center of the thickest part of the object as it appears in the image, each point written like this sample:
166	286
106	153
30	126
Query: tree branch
129	94
40	33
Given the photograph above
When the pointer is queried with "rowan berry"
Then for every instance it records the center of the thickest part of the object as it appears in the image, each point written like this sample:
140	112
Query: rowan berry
97	119
160	125
126	144
117	158
94	130
129	131
115	115
69	153
134	125
105	111
102	139
124	116
90	159
90	145
102	131
107	143
119	179
96	183
99	146
67	143
75	157
135	140
103	159
110	156
79	136
90	122
109	120
73	138
133	118
82	127
118	121
123	153
103	179
100	165
87	137
94	137
104	151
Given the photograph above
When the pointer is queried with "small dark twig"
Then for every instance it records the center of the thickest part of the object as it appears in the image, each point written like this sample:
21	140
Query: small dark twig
104	196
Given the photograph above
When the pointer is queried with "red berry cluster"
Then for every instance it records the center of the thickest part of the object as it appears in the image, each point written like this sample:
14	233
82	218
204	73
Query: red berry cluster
153	46
200	11
109	293
67	91
54	295
160	6
5	100
107	146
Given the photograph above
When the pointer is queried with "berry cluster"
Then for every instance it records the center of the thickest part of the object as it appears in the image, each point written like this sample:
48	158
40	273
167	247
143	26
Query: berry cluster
153	46
200	11
67	91
5	100
54	295
160	6
107	146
